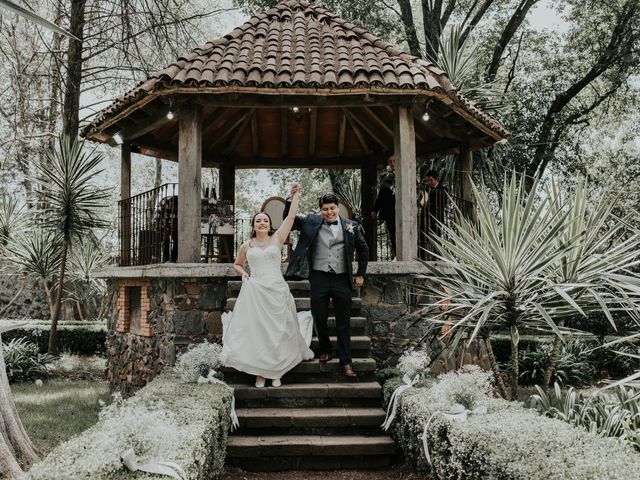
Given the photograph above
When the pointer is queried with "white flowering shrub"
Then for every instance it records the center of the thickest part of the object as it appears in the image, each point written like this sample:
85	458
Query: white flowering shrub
198	361
509	442
469	386
165	421
413	362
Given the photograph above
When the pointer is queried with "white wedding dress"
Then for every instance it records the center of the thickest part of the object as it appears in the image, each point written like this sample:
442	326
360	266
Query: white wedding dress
264	335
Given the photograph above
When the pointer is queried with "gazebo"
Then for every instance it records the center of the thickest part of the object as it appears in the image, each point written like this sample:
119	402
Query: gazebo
295	86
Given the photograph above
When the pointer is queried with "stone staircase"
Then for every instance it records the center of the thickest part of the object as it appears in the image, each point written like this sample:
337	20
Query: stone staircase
317	419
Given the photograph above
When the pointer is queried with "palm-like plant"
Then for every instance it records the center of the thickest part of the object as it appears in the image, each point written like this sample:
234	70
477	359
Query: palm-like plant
504	273
73	203
87	257
12	218
458	58
38	253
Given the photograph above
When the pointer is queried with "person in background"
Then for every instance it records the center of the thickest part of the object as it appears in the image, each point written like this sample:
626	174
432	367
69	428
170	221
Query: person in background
432	202
384	208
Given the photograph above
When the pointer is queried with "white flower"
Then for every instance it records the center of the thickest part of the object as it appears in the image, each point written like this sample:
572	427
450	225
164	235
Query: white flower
413	362
198	361
349	228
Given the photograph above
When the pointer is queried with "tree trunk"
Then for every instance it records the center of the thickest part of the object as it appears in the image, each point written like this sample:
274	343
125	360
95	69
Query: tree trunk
515	370
502	389
53	333
507	34
71	111
44	283
409	27
553	359
55	73
14	441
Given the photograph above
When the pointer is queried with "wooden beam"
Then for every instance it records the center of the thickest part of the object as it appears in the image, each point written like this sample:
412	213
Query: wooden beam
406	197
125	206
465	170
341	133
167	152
236	119
255	140
373	132
313	131
157	118
358	133
189	171
381	123
284	126
368	180
240	132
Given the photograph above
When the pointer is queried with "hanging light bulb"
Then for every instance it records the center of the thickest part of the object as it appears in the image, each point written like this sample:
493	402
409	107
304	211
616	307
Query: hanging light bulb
118	139
170	115
425	116
296	109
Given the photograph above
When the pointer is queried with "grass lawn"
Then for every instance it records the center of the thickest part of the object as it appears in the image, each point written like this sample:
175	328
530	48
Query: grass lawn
58	410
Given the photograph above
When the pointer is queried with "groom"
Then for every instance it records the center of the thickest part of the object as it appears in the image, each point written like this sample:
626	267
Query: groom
324	255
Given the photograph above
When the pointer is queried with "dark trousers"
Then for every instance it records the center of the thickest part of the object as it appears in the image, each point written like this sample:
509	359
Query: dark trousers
326	286
391	230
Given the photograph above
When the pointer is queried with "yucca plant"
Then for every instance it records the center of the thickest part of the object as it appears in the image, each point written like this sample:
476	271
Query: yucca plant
73	205
458	58
12	219
37	252
503	273
87	257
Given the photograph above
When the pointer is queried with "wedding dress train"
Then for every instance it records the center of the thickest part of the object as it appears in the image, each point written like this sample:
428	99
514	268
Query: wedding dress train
264	335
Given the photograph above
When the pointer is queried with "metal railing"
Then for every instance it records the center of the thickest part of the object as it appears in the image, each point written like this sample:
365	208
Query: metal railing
148	229
438	208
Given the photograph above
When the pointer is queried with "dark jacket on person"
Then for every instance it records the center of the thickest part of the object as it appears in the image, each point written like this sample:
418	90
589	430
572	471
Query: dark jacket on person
309	226
385	205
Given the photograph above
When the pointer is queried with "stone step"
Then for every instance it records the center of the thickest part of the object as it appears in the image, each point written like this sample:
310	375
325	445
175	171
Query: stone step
360	345
303	303
306	447
296	286
312	371
306	463
310	421
359	394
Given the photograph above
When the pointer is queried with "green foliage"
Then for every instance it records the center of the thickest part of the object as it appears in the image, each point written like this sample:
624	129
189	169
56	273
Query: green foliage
89	292
12	218
509	442
37	252
80	338
604	414
198	361
167	420
544	257
571	368
24	361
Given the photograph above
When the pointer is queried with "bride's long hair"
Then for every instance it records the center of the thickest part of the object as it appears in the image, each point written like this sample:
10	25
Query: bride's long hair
253	219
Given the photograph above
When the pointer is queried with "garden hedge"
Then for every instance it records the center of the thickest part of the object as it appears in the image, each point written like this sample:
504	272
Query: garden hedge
80	338
509	442
168	420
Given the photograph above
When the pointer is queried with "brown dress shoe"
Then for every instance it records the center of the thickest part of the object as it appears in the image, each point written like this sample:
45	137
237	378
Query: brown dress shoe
348	371
325	357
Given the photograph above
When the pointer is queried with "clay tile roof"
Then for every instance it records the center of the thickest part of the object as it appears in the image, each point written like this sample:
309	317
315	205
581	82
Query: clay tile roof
298	44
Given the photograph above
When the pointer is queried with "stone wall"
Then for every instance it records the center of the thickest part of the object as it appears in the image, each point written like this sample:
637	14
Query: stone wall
183	304
181	311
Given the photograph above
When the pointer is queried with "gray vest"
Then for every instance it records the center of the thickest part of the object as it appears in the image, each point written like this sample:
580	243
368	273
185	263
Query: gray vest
329	252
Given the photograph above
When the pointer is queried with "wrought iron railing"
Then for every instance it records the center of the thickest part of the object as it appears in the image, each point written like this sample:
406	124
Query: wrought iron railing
148	229
433	209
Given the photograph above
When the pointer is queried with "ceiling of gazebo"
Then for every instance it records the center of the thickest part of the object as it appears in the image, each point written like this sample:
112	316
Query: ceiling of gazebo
344	81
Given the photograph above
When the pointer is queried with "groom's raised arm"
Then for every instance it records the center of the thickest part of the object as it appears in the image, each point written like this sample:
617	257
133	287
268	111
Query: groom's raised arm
298	221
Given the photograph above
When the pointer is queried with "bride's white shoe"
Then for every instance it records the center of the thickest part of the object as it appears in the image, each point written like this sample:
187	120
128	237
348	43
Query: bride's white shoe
276	382
260	381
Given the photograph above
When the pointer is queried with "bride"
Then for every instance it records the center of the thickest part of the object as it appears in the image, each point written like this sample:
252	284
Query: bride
264	336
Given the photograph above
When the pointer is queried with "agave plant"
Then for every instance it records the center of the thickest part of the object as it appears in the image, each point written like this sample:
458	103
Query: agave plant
504	273
458	58
73	205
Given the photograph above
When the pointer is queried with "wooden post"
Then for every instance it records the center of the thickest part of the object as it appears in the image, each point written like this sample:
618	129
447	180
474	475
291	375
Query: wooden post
189	171
404	142
465	167
227	192
125	206
368	185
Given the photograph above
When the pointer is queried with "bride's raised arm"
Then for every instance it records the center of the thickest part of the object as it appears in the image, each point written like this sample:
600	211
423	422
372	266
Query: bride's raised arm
283	232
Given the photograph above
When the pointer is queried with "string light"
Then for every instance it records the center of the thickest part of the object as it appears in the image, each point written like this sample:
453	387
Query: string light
170	115
296	109
425	116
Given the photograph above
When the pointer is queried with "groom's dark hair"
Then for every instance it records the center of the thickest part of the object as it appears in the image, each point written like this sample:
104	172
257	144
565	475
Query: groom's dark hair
328	198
